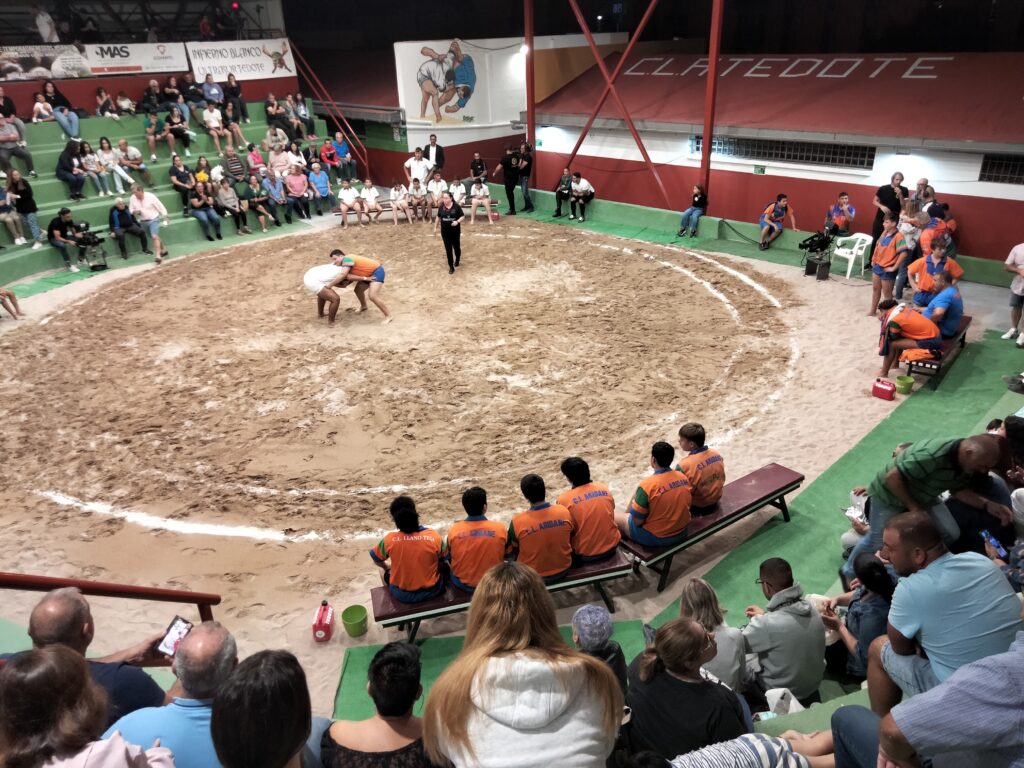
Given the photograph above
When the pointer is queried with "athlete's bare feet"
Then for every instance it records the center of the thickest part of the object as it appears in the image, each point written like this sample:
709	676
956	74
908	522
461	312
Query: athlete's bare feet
386	320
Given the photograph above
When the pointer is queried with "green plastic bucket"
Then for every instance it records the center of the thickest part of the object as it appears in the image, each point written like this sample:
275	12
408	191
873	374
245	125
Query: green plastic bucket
354	620
904	384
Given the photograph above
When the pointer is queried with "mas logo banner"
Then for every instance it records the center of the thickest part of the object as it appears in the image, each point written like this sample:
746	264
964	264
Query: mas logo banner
140	58
245	59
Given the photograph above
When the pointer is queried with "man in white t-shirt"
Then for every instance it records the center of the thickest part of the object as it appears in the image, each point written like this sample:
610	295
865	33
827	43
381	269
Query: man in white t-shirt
435	189
480	195
214	123
130	159
1015	265
323	280
349	200
369	194
417	167
582	193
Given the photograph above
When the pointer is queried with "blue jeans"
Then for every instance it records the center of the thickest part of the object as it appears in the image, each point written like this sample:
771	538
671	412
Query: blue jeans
67	119
690	218
62	249
311	751
855	737
207	217
74	181
524	186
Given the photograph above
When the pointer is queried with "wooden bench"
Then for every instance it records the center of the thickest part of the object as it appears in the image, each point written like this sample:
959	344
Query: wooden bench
949	350
389	612
740	498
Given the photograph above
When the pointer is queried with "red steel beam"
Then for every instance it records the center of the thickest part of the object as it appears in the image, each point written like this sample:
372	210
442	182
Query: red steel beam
531	102
618	100
615	76
711	92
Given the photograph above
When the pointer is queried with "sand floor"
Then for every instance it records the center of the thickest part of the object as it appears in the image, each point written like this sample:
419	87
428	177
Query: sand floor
146	404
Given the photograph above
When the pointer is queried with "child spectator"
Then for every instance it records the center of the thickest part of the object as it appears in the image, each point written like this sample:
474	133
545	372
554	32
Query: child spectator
105	105
592	629
771	220
125	104
415	554
866	617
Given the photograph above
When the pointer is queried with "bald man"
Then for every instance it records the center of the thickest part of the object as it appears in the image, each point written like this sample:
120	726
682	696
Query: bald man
63	617
913	480
204	660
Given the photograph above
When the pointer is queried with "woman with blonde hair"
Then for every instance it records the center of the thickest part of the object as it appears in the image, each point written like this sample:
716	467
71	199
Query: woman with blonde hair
675	708
517	694
700	603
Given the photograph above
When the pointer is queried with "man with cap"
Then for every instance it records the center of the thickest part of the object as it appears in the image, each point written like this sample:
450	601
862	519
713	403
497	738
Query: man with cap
592	632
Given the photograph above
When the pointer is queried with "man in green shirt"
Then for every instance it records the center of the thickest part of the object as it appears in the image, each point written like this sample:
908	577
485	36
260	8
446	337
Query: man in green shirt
913	480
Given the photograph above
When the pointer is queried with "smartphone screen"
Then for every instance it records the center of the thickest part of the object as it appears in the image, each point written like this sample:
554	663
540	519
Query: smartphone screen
176	632
994	542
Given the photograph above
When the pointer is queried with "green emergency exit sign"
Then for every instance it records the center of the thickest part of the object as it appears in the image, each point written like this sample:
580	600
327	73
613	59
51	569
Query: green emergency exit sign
759	170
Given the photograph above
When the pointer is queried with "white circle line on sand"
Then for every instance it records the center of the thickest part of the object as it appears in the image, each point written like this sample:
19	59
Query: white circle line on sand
734	272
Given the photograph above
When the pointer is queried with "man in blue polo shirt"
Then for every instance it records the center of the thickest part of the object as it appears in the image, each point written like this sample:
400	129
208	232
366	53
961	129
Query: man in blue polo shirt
946	307
204	661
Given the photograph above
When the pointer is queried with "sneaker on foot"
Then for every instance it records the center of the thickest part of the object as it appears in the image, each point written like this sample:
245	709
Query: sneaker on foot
188	153
152	158
20	241
582	219
1020	340
1009	334
36	245
72	268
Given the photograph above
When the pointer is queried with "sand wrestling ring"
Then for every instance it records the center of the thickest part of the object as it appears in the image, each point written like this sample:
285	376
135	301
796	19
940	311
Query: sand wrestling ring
204	397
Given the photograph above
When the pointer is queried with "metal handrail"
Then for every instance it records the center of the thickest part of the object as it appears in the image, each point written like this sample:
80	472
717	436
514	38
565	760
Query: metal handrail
202	600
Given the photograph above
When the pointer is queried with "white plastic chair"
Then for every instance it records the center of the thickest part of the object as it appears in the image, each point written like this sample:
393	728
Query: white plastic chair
850	248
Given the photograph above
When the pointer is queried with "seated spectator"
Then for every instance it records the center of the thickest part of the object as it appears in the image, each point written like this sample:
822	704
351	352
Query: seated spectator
699	602
458	190
302	114
42	110
541	537
400	203
255	158
349	200
345	159
11	218
157	130
687	222
63	618
675	709
105	105
9	301
592	507
276	196
20	192
178	130
233	96
659	511
788	638
192	93
298	129
369	194
751	750
122	223
169	96
130	160
296	185
704	467
867	614
903	328
255	198
841	215
1010	562
232	124
63	234
887	260
771	220
228	200
125	105
262	716
52	714
203	210
394	736
478	169
435	190
516	682
183	181
415	554
94	169
582	194
956	608
279	161
213	121
70	171
10	112
202	664
923	271
320	184
235	169
11	145
295	156
563	191
203	171
947	306
475	544
329	159
63	112
277	119
592	629
479	197
213	94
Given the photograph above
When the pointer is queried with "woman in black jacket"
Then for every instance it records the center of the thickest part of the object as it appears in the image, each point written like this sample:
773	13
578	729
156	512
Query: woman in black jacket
63	112
70	171
233	95
450	217
698	206
20	193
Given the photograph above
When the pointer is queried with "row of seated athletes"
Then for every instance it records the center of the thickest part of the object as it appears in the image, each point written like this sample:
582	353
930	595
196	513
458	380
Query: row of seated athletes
580	526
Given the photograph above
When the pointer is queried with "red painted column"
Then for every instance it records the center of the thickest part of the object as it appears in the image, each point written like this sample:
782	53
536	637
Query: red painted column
531	105
711	92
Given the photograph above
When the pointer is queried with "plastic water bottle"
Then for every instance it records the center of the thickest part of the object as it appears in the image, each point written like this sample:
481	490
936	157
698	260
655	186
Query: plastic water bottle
323	623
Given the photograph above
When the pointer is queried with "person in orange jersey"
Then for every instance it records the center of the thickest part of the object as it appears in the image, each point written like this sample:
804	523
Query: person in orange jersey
659	511
904	328
541	537
476	543
595	535
704	467
414	553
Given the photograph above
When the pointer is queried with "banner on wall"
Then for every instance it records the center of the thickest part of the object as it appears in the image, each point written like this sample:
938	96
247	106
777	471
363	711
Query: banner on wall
42	62
246	59
439	80
136	58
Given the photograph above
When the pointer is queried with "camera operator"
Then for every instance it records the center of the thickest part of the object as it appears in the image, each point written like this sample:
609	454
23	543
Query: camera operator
62	232
122	222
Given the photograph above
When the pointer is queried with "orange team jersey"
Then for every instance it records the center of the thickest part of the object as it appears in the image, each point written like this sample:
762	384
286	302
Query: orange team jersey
931	230
474	546
661	504
924	269
705	469
911	324
414	558
593	517
360	266
888	250
543	537
776	212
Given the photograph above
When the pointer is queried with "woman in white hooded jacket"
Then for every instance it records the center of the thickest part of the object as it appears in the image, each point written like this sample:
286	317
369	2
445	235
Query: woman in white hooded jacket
518	696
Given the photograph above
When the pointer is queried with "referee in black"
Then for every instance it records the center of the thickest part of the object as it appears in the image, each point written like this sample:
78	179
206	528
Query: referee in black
450	217
509	169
